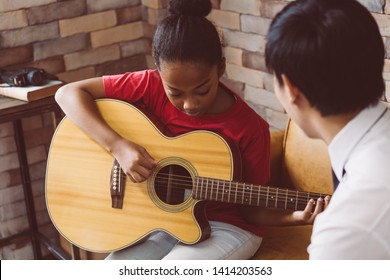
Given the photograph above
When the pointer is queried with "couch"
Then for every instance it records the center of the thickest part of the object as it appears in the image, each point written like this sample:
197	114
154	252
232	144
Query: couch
299	163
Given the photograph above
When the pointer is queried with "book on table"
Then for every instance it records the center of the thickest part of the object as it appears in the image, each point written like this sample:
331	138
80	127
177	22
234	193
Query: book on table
31	93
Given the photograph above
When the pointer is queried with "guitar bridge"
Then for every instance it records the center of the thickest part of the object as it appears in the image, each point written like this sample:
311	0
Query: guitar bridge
117	185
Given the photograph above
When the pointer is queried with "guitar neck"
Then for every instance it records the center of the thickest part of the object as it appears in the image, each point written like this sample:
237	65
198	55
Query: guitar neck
251	195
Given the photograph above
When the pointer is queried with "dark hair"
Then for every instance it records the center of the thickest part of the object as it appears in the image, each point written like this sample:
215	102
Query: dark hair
331	50
186	35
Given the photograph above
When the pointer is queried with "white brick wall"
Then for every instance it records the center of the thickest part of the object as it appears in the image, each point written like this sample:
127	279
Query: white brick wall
251	7
246	41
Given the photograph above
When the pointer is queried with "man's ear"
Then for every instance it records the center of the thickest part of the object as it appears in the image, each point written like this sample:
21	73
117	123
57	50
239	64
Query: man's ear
222	67
293	92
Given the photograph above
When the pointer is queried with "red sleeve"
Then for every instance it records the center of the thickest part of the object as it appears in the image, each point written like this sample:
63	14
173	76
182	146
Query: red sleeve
130	87
143	89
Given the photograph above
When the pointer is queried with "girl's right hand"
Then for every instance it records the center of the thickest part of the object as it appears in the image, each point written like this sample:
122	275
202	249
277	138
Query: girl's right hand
134	160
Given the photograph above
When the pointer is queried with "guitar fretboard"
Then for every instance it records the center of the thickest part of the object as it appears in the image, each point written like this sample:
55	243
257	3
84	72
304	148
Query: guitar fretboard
252	195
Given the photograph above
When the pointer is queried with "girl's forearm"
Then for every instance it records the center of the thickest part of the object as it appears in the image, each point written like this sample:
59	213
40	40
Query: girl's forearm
80	107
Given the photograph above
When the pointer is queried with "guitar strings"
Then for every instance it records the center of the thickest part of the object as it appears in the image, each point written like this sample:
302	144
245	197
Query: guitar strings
242	190
186	182
254	199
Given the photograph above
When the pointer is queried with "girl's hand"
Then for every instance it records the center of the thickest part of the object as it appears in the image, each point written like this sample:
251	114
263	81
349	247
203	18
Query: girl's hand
134	160
308	215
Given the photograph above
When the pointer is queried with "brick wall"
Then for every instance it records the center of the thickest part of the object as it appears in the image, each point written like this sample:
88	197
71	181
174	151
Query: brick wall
73	39
78	39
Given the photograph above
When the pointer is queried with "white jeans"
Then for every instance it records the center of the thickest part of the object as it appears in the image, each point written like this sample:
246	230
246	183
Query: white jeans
226	242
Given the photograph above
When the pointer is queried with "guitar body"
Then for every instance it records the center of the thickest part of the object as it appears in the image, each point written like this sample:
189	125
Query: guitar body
78	181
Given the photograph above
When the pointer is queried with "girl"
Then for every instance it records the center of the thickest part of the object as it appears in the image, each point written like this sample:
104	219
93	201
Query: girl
185	93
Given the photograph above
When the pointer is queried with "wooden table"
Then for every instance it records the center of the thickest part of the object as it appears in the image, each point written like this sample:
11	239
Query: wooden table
13	110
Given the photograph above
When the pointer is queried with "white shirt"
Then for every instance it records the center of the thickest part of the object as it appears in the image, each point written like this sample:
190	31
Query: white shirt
356	224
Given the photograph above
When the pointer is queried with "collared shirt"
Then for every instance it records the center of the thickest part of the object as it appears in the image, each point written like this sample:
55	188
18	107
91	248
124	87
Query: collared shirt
356	224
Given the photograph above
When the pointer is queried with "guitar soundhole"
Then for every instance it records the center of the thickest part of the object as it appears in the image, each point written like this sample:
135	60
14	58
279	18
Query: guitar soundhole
173	184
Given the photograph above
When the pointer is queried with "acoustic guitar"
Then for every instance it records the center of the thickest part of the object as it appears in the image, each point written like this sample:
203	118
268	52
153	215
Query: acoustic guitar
95	207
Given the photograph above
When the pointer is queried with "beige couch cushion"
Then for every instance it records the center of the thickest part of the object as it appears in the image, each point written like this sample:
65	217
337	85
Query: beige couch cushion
305	166
306	163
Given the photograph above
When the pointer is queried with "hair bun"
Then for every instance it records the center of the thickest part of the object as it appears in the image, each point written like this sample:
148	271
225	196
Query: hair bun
189	7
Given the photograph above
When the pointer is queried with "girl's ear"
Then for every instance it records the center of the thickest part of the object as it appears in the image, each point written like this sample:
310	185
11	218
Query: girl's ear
222	67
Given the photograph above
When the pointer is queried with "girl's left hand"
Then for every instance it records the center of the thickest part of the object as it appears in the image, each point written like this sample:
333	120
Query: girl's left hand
308	215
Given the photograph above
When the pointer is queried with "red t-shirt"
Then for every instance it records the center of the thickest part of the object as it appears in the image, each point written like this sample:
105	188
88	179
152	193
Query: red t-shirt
240	124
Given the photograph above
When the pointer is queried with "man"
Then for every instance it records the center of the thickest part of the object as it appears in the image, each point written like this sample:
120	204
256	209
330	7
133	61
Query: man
327	58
